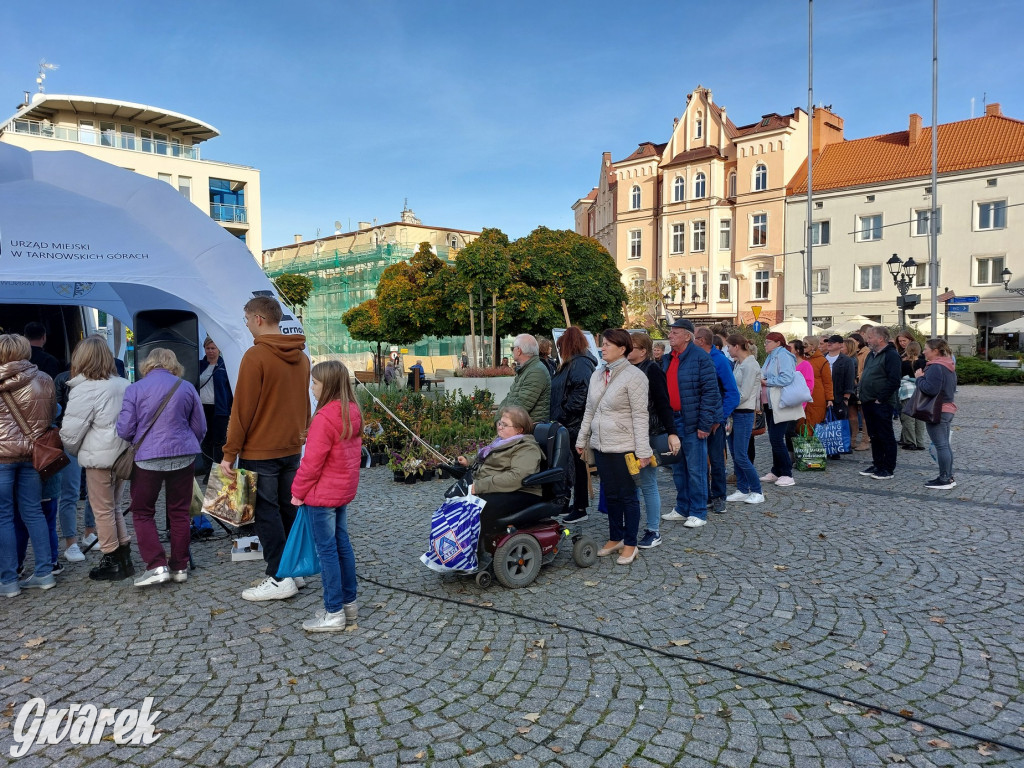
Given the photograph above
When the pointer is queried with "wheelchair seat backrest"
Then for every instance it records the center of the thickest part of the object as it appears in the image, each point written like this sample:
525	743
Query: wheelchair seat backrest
553	440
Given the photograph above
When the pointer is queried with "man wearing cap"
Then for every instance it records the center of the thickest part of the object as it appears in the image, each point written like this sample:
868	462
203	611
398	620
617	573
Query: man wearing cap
844	378
704	339
697	407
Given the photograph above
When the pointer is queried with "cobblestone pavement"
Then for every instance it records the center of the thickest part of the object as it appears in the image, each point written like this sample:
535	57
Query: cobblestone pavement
883	595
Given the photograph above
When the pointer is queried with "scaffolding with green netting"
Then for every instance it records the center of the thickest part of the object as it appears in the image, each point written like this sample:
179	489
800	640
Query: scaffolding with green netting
345	279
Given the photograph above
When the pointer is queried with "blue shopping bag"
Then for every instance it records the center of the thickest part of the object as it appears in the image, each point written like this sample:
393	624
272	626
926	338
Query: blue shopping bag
833	433
300	557
454	536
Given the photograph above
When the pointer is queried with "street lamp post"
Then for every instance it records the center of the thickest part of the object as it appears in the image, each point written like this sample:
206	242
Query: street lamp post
903	274
695	299
1007	275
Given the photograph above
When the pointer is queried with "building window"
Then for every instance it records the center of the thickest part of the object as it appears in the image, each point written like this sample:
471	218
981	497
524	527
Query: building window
678	238
698	131
127	137
761	284
87	131
147	140
227	201
108	134
634	243
988	270
819	280
761	178
699	236
635	197
869	228
921	277
165	177
185	187
725	234
821	232
921	218
724	281
759	229
869	278
699	186
160	140
704	286
992	215
679	189
732	184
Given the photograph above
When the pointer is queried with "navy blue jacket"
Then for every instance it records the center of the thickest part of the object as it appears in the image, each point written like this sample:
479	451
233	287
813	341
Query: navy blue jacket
726	382
699	397
222	397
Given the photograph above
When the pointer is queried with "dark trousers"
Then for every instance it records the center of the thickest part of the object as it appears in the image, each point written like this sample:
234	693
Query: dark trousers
620	494
782	464
274	510
716	458
213	442
145	488
581	489
878	420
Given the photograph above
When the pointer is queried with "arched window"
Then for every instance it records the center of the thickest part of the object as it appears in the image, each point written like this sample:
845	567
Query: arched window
635	197
699	186
698	127
679	189
760	178
732	184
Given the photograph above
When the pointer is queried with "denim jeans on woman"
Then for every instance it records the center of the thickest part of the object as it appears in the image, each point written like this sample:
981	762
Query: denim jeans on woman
20	480
620	494
647	488
337	560
747	480
939	434
782	464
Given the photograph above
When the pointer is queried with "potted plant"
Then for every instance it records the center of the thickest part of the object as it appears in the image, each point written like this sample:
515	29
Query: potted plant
412	468
395	464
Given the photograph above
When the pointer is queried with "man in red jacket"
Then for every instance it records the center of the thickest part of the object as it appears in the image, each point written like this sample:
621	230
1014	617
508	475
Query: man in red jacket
269	415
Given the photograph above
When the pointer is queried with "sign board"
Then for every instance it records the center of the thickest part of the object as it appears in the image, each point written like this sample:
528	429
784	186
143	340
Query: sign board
947	296
966	299
756	311
957	308
757	325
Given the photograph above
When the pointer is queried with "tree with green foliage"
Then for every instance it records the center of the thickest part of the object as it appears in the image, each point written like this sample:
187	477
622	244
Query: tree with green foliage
411	296
294	289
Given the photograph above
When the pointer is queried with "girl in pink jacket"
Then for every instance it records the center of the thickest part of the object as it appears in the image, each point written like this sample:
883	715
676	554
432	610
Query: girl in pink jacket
325	483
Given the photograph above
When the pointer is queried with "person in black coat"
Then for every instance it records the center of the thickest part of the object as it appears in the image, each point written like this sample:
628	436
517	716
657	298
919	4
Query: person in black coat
215	393
844	379
569	388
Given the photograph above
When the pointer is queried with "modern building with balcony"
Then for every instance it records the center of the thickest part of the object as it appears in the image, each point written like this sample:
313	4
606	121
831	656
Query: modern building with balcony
149	140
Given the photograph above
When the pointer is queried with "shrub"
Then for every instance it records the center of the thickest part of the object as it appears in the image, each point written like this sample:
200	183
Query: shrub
485	373
976	370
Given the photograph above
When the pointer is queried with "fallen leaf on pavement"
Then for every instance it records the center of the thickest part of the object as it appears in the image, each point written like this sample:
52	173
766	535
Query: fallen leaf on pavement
35	642
782	645
533	717
524	729
591	583
998	704
538	643
937	620
791	717
420	755
907	712
683	641
917	727
939	744
556	749
267	630
897	758
856	666
781	567
986	750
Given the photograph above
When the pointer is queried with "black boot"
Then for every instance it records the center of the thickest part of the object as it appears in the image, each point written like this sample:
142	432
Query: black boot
124	552
109	569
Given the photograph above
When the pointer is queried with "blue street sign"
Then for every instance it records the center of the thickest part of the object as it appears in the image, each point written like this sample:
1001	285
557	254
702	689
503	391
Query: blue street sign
756	326
957	308
965	300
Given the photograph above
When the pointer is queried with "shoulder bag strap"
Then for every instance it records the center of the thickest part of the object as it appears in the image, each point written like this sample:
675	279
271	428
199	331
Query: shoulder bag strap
19	417
159	411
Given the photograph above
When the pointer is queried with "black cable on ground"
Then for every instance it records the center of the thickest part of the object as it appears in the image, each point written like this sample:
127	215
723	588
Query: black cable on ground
706	663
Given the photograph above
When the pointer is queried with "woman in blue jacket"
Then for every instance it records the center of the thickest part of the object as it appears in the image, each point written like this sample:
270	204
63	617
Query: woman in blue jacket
215	394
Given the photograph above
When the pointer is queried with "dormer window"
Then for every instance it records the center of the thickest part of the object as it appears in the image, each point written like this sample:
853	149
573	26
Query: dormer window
698	128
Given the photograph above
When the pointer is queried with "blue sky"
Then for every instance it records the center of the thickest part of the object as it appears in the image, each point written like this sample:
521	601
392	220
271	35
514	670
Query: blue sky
488	114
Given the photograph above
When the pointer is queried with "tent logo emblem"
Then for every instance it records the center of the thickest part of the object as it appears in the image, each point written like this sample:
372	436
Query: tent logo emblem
73	290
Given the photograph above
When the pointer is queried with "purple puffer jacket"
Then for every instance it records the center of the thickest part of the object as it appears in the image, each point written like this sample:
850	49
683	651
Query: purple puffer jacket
181	425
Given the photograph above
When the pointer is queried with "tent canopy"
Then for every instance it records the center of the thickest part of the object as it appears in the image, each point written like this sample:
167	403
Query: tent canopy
1014	326
956	327
78	231
849	325
795	326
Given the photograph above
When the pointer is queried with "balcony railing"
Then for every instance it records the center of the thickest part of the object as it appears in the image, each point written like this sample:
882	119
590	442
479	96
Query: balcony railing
237	214
112	139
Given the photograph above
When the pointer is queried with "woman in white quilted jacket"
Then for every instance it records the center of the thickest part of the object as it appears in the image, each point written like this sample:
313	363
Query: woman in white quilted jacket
88	431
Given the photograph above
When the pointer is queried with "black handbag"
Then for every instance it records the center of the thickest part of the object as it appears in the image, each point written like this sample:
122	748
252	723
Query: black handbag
760	424
924	407
659	445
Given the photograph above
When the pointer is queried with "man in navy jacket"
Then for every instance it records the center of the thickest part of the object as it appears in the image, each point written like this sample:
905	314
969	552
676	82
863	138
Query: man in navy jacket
704	339
879	383
697	407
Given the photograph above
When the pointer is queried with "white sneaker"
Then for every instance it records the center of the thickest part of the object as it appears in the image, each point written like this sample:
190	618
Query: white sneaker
299	582
673	515
159	575
737	496
179	577
769	478
755	498
271	589
91	543
325	622
73	554
694	522
784	481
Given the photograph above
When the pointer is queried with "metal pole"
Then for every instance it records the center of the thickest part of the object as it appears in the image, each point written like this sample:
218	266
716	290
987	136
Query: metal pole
472	330
933	234
945	333
494	326
810	151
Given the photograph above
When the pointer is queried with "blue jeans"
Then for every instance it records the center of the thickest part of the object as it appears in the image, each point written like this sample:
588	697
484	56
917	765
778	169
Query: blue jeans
716	457
939	434
747	480
691	474
22	480
70	490
337	560
648	490
620	495
274	511
782	464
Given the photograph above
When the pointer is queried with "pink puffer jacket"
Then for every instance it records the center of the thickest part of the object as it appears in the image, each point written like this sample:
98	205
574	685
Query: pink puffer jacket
35	396
329	473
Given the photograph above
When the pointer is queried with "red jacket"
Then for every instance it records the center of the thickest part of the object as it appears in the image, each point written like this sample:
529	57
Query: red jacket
329	473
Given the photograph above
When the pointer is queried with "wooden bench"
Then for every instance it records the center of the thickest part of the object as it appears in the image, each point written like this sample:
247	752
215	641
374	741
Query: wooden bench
365	377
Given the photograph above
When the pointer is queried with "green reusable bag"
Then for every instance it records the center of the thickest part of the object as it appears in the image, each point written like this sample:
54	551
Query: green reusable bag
810	453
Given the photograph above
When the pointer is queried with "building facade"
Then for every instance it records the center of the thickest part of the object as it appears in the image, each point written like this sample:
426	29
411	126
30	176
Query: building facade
703	215
345	269
873	198
148	140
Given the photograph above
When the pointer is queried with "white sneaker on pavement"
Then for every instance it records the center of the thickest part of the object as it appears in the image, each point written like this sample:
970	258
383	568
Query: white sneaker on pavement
755	498
271	589
694	522
325	622
673	515
73	554
737	496
769	478
784	481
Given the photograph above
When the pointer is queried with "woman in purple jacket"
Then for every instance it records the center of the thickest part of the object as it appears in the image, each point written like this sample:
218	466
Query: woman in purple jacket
167	455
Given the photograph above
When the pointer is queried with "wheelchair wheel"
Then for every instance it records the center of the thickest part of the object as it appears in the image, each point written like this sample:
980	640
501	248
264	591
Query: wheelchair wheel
483	579
584	552
517	561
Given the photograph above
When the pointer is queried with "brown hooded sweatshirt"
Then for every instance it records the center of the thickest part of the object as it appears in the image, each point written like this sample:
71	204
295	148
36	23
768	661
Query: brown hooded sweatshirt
271	408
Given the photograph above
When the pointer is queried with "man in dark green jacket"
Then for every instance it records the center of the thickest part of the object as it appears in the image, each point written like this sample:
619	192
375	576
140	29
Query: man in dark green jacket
879	383
531	388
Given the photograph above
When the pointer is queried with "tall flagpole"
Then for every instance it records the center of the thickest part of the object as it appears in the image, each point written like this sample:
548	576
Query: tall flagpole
933	233
810	149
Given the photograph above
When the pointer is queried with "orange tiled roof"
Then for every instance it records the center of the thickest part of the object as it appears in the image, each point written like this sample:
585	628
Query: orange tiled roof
693	155
981	142
770	122
646	149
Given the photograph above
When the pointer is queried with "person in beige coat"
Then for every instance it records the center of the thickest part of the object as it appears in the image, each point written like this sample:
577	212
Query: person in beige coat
88	432
615	426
